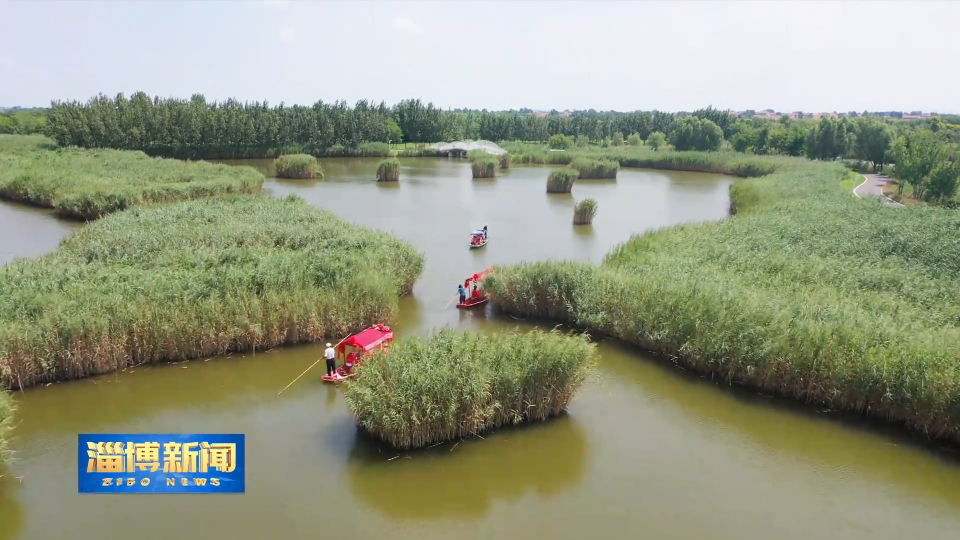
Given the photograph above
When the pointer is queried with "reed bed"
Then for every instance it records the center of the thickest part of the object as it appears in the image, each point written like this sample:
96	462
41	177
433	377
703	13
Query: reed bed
584	211
809	293
25	143
453	385
88	184
7	410
561	180
388	170
195	279
297	166
505	160
483	164
595	168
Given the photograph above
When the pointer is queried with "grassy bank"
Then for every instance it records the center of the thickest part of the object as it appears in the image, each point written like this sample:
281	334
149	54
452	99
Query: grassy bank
809	292
195	279
297	166
456	385
87	184
25	143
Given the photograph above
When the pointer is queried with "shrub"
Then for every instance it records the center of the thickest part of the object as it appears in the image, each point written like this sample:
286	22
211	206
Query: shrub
7	410
482	164
505	160
453	385
297	166
560	142
195	279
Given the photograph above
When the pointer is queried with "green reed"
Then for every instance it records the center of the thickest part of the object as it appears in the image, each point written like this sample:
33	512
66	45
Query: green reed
297	166
561	180
809	292
584	212
482	164
88	184
454	385
388	170
195	279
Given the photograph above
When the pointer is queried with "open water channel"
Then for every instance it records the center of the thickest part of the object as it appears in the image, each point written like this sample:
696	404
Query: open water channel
647	450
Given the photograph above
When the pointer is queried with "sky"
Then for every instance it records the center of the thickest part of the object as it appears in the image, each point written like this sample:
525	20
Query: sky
623	55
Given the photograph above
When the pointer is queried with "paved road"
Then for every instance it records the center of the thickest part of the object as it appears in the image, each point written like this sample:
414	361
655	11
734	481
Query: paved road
872	185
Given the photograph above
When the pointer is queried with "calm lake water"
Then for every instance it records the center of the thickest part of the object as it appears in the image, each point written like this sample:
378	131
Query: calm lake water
647	450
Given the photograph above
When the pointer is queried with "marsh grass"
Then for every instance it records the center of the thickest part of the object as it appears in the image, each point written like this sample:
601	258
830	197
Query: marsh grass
809	293
482	164
584	211
505	160
388	170
88	184
454	385
25	143
561	180
595	168
7	410
297	166
195	279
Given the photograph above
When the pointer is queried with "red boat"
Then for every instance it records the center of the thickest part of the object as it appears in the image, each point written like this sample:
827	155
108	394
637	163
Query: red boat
477	296
377	336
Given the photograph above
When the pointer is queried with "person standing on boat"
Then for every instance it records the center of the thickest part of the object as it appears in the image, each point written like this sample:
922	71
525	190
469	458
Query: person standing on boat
462	292
331	357
484	232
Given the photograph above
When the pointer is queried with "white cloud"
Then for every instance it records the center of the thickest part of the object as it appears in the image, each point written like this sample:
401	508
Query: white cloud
275	4
404	24
288	34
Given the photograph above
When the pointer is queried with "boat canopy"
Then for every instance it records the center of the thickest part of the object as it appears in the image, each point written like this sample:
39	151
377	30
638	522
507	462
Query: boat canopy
478	277
478	231
368	339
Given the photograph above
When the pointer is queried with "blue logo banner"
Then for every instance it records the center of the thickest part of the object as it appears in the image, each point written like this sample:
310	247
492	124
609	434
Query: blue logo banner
161	463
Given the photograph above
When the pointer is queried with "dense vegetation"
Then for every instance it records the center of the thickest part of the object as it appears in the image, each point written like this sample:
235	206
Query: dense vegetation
87	184
7	410
23	121
195	279
584	212
809	292
562	180
455	385
297	166
388	170
592	168
483	164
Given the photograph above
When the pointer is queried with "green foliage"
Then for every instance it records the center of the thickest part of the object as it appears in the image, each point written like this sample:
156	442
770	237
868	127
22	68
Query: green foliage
693	133
809	292
656	140
25	143
617	139
561	180
87	184
388	170
582	141
584	212
23	122
873	140
7	410
195	279
634	140
589	168
505	160
454	385
298	166
917	155
560	142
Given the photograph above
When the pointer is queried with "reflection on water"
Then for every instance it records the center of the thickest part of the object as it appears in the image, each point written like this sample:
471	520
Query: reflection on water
462	479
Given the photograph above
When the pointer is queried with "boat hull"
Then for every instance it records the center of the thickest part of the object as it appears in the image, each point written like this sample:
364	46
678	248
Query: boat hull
473	303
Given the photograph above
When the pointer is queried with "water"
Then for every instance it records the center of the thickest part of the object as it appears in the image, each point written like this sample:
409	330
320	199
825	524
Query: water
647	450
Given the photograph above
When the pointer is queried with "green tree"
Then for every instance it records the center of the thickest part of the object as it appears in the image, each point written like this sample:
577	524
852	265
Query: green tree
916	155
656	140
394	131
560	142
873	141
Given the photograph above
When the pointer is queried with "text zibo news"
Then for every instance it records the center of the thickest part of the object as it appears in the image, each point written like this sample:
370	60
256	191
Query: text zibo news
161	463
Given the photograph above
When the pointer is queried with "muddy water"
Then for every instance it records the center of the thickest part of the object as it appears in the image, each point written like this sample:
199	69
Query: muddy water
647	451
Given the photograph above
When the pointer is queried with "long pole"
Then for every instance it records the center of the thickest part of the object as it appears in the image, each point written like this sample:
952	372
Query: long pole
311	367
451	301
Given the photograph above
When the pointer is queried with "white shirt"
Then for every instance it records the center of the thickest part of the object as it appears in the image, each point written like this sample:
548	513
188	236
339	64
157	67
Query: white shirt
329	353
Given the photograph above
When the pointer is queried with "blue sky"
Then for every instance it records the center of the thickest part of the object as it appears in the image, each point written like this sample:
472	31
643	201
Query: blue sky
626	55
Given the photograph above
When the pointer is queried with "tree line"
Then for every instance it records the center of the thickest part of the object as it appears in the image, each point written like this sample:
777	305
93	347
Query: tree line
23	121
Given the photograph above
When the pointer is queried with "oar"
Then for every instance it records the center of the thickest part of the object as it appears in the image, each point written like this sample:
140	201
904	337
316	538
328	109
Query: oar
311	367
451	301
